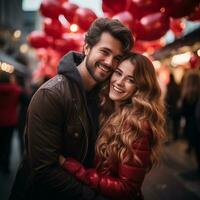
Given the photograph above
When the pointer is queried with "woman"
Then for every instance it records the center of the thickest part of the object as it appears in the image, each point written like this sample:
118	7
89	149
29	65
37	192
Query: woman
132	125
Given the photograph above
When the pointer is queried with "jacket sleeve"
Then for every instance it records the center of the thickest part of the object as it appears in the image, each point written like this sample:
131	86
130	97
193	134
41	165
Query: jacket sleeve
45	138
130	177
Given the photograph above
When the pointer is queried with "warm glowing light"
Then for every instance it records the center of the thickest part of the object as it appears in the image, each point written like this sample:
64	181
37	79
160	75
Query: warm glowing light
164	75
74	28
145	54
6	67
178	74
17	34
181	59
24	48
198	52
156	64
162	10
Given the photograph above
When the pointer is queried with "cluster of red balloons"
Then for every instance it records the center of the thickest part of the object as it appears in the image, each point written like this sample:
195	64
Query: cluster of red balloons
65	23
63	30
149	20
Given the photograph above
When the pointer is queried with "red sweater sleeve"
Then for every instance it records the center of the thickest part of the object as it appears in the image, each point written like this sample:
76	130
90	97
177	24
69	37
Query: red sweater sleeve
130	177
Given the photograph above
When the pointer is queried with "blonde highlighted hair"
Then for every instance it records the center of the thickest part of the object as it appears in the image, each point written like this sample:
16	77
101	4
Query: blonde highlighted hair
119	129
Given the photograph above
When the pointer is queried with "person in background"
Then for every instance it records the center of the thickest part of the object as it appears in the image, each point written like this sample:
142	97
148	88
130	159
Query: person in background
131	130
172	98
62	116
190	98
22	110
197	115
10	93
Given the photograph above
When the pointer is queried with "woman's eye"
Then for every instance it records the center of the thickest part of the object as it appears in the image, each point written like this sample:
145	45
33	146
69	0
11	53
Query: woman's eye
118	73
130	80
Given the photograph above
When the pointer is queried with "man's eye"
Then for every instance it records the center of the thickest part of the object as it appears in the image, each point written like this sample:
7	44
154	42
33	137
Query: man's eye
104	52
117	59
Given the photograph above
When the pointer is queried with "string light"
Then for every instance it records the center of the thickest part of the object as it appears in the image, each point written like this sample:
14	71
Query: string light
6	67
24	48
17	34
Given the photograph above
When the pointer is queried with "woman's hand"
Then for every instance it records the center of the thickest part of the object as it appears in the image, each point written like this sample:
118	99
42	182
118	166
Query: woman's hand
92	177
74	167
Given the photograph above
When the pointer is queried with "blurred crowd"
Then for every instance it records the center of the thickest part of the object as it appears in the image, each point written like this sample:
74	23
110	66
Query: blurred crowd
183	111
14	100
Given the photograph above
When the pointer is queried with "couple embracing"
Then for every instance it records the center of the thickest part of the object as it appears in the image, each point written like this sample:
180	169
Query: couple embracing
93	131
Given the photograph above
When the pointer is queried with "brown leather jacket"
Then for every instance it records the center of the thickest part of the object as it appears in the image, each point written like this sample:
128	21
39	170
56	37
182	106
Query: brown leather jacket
57	123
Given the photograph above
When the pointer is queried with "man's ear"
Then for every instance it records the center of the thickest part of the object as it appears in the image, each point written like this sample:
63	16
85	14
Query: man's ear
86	49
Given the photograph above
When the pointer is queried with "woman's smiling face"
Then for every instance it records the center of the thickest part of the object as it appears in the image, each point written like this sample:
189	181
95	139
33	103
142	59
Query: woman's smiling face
122	85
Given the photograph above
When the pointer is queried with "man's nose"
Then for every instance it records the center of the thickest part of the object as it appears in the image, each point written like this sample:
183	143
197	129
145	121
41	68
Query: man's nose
109	61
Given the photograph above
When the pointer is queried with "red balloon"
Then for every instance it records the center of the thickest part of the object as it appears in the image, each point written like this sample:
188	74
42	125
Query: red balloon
125	17
43	71
68	10
115	6
54	58
148	46
51	8
69	41
179	8
54	28
49	60
39	39
108	15
84	18
140	8
42	54
195	16
151	27
177	26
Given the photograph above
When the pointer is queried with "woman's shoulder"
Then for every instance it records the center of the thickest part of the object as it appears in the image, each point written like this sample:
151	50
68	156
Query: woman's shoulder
145	137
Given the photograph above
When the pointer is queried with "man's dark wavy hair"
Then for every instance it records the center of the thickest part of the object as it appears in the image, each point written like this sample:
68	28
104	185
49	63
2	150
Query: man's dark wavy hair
113	27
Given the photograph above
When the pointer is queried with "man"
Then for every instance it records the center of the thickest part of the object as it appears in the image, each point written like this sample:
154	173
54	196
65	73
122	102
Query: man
61	119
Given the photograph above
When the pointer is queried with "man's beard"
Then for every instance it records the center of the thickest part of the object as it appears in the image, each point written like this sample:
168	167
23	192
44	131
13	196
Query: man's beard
91	73
91	70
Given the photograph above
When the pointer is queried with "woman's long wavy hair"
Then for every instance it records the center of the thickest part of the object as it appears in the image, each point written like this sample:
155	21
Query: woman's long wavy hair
119	129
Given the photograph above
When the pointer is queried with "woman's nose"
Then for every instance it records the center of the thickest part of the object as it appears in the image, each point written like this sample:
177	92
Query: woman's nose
120	81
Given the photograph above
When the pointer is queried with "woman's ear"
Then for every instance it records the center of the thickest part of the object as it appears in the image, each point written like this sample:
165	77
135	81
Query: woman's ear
86	49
